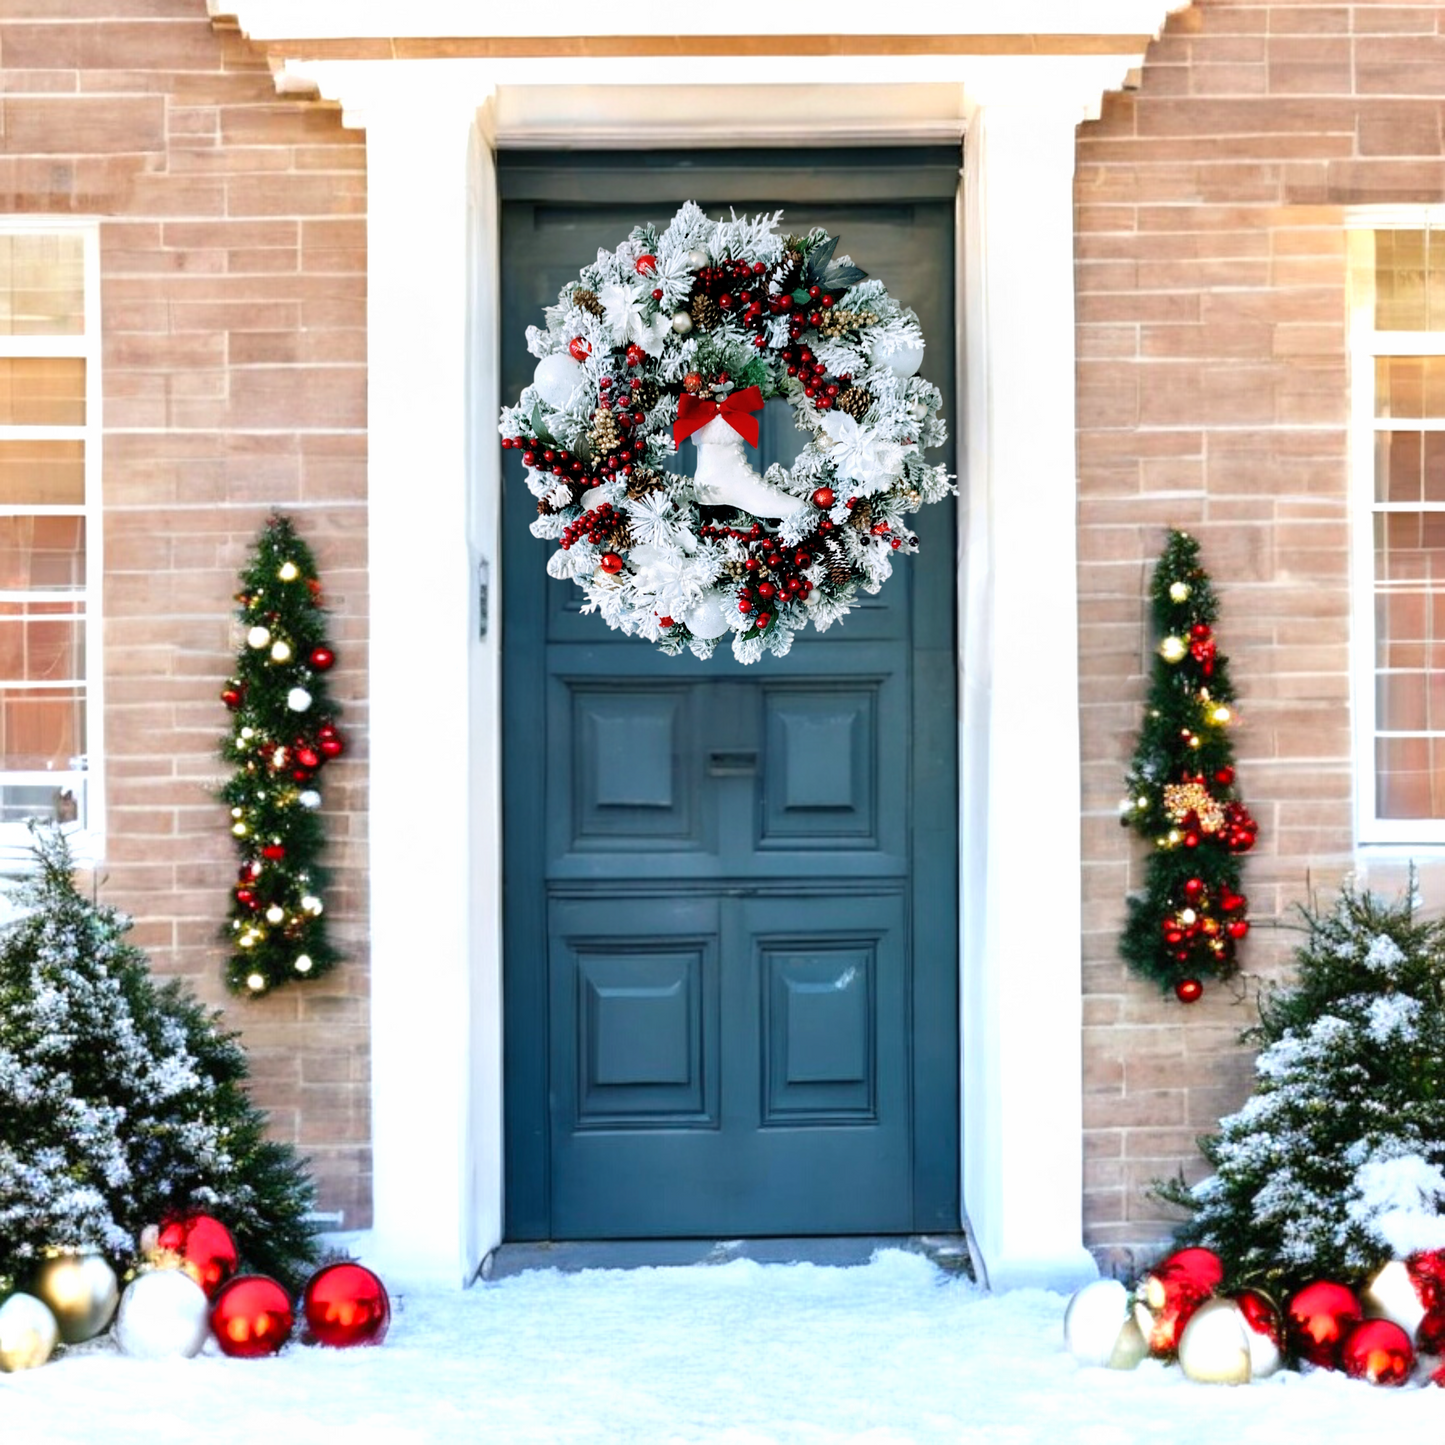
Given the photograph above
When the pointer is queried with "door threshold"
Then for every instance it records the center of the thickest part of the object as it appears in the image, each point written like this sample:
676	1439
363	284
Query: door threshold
949	1251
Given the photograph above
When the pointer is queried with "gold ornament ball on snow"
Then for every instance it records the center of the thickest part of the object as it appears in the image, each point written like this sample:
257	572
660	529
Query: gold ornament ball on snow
1173	649
82	1294
28	1333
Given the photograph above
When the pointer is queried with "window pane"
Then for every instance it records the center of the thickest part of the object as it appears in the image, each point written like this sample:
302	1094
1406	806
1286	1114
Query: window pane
41	728
1410	387
44	552
42	391
46	474
41	642
61	802
42	285
1410	777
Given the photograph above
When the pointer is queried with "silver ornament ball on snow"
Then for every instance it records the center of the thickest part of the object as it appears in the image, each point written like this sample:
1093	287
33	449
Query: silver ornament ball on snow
901	360
163	1315
1098	1329
681	322
707	617
696	258
1214	1348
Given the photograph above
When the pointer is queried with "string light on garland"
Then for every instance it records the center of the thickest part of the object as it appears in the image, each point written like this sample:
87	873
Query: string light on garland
283	732
1187	922
683	335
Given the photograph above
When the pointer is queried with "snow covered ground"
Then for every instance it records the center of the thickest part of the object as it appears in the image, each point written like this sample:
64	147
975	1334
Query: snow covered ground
740	1353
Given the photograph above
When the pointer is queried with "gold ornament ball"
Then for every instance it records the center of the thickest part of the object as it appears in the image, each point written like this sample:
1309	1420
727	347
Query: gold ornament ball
1173	649
288	572
258	637
1178	591
1214	1348
1392	1296
82	1293
280	651
681	322
28	1333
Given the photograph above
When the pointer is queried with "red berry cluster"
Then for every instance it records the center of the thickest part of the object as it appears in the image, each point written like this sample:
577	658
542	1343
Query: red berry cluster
595	526
814	375
557	460
775	572
739	290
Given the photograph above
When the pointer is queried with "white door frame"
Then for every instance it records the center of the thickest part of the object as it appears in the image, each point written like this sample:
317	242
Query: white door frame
433	282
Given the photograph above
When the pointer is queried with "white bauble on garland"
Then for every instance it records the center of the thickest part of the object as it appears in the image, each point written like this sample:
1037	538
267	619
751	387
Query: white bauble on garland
687	332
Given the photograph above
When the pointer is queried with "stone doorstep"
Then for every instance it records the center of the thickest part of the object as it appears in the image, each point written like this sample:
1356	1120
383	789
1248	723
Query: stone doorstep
950	1252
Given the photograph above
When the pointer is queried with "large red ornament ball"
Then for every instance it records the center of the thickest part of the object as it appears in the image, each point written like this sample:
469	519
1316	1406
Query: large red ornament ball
823	498
251	1317
1317	1320
322	658
344	1305
204	1247
330	747
580	348
1188	990
1378	1351
1168	1295
231	696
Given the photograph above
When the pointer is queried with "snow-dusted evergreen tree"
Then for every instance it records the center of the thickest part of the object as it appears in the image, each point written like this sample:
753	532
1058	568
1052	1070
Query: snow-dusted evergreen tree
1336	1163
121	1100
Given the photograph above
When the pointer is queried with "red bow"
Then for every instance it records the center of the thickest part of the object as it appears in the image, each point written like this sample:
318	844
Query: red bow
694	412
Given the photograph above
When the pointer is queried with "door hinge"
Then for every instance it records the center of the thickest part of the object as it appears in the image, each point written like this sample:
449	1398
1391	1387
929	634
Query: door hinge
484	579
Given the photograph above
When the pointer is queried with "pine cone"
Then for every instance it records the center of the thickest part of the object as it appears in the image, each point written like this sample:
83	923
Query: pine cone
545	507
587	300
620	538
642	481
861	518
645	393
604	434
835	559
855	400
706	313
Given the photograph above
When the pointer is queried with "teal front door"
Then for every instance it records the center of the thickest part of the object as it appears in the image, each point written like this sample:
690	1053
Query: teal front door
730	982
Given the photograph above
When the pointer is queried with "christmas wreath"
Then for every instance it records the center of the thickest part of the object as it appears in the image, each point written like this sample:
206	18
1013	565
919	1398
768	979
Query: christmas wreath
684	335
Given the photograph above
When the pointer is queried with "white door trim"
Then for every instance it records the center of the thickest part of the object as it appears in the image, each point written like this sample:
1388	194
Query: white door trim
434	504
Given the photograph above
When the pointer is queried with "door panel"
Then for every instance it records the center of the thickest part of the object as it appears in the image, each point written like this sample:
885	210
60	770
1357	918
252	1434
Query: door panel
730	983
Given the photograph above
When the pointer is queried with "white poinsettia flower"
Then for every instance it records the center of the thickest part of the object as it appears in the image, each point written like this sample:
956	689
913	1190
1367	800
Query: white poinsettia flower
654	522
622	315
668	579
860	454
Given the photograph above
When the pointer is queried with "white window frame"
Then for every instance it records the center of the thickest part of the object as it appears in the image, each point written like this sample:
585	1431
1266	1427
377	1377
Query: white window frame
1366	344
86	835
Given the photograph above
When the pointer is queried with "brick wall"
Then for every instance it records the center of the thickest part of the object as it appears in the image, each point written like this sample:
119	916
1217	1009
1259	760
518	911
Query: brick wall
233	316
1213	396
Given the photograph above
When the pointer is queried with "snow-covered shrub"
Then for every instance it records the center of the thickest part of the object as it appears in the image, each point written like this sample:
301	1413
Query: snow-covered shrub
121	1100
1337	1161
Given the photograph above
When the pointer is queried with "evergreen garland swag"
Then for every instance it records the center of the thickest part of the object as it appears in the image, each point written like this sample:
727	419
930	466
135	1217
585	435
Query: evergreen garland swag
685	333
122	1102
1181	793
283	732
1336	1164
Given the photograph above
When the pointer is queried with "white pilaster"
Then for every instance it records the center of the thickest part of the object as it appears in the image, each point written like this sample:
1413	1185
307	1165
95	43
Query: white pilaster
429	867
1021	1009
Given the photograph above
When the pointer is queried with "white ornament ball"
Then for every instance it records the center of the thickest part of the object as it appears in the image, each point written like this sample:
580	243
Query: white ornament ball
557	378
1097	1326
164	1315
309	799
258	637
708	617
901	361
28	1333
288	571
681	322
1214	1348
1392	1295
696	258
280	651
298	699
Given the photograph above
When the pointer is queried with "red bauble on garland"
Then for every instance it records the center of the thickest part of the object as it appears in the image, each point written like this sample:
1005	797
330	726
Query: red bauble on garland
252	1317
1188	990
344	1305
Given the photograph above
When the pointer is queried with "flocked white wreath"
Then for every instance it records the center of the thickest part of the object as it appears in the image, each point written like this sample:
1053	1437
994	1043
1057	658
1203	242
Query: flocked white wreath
683	335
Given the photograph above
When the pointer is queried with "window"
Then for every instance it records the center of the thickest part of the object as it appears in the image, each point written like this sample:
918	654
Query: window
49	534
1398	382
